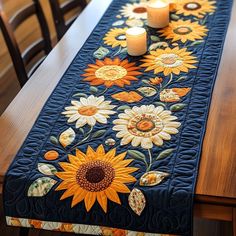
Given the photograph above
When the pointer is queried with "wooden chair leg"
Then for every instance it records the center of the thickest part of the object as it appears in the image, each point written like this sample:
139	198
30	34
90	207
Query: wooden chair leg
234	221
24	232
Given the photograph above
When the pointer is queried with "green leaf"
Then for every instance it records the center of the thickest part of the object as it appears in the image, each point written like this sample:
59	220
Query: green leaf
122	108
46	169
145	81
197	43
98	133
136	155
123	51
182	78
174	17
154	46
40	187
177	107
155	38
80	95
165	154
203	21
100	53
160	104
93	89
81	130
54	140
147	91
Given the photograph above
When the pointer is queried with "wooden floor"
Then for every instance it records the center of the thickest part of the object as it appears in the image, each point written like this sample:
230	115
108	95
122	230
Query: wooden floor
9	87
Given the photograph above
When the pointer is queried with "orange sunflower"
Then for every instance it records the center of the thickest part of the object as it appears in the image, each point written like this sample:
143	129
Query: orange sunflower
169	60
111	72
95	175
196	8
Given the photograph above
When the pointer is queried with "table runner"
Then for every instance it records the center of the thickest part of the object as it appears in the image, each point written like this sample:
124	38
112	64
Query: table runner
115	150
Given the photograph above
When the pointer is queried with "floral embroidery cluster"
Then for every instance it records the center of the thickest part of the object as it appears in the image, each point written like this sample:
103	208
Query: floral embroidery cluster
99	175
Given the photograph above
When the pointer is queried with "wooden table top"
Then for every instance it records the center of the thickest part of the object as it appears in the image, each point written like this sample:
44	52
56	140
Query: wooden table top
217	174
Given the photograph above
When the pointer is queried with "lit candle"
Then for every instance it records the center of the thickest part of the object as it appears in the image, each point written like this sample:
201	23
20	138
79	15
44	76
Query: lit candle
136	38
158	14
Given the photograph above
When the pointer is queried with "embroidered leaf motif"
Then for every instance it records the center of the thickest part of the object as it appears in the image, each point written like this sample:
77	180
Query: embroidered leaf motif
46	169
177	107
67	137
123	50
110	142
165	153
51	155
152	178
160	104
122	108
154	46
119	22
80	95
128	97
93	89
137	201
54	140
98	133
147	91
40	187
81	130
155	38
182	78
174	17
196	43
100	53
136	154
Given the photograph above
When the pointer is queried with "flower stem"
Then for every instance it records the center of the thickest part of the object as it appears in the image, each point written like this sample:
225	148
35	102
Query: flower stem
102	92
150	160
87	135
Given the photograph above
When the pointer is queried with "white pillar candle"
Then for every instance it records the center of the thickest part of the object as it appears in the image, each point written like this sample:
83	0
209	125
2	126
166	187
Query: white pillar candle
136	38
158	14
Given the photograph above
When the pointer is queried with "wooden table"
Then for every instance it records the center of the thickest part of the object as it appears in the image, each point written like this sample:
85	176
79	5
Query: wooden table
215	196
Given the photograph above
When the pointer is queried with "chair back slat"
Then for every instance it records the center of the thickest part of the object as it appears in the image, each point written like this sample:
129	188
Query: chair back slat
33	50
20	61
21	15
13	49
59	11
68	6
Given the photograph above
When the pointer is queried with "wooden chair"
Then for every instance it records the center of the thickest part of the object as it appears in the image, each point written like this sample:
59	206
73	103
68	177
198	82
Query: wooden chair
22	60
59	11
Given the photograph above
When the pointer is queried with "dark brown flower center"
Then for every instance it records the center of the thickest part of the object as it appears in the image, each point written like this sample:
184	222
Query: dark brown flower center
140	10
95	176
192	6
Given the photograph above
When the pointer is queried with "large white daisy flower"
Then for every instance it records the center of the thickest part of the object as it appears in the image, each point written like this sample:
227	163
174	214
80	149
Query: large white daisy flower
135	10
89	111
145	125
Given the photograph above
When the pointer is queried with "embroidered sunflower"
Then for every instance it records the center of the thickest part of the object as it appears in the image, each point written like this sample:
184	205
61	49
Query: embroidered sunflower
111	72
184	30
116	37
169	61
145	125
89	111
95	175
135	10
196	8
